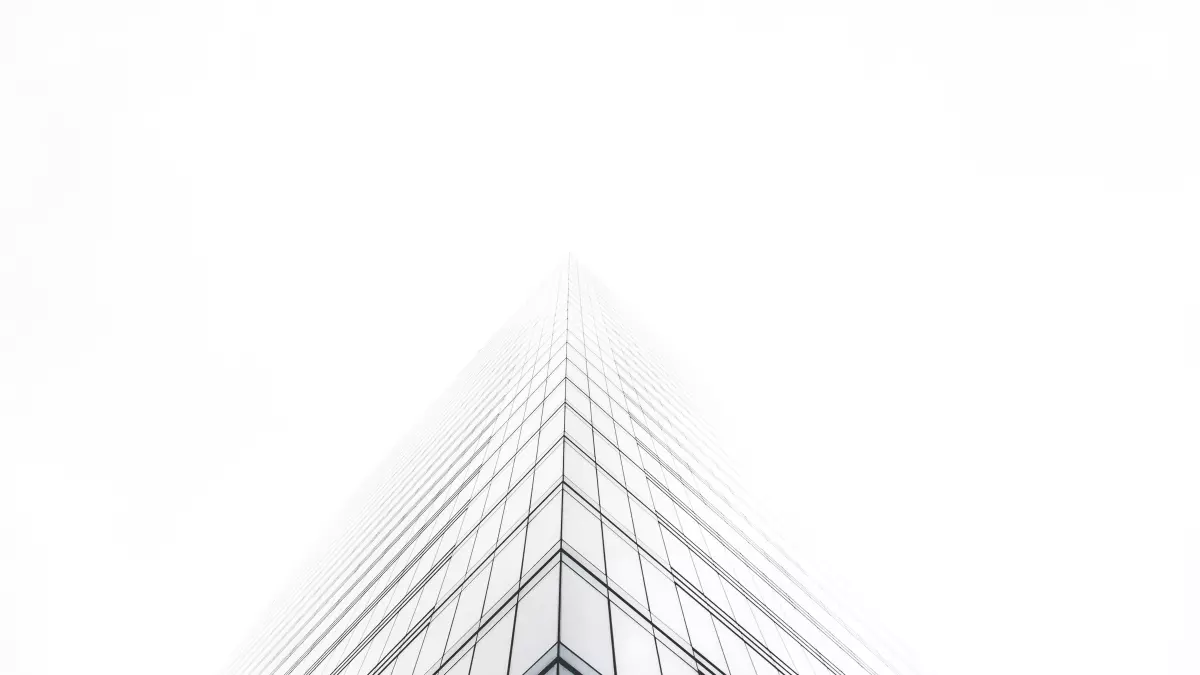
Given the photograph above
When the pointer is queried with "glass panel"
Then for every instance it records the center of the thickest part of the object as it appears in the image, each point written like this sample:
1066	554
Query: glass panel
741	608
491	653
549	472
457	567
608	457
529	428
577	399
664	601
700	628
663	504
537	623
470	605
580	432
635	480
582	474
623	567
486	538
615	502
506	569
628	445
461	667
634	646
573	370
545	530
524	459
429	593
603	422
681	557
710	583
581	529
516	507
556	396
761	666
770	634
646	528
802	661
736	654
435	638
552	430
585	622
672	663
403	665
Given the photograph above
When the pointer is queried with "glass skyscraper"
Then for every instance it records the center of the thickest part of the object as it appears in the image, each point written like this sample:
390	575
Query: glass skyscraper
562	511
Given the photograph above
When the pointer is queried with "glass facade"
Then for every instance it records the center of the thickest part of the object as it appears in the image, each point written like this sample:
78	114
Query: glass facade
563	511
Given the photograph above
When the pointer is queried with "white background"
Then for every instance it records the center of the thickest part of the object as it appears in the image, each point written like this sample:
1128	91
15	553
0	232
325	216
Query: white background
931	268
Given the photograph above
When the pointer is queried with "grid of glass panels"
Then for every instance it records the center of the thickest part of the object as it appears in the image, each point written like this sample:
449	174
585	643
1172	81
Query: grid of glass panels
564	511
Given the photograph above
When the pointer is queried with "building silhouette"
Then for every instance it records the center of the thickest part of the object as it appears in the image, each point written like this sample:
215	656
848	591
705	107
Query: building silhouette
561	512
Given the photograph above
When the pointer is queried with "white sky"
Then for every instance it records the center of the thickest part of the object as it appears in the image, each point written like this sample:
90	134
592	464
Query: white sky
930	267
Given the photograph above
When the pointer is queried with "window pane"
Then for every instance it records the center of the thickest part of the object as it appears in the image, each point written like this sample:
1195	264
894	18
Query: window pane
664	602
457	567
544	532
623	567
580	432
577	399
491	653
470	605
429	593
403	665
700	628
524	459
604	423
537	623
582	474
672	663
461	667
435	638
581	529
681	557
585	622
710	583
549	472
608	457
556	397
634	646
646	527
516	507
761	666
615	502
486	538
736	652
635	480
506	569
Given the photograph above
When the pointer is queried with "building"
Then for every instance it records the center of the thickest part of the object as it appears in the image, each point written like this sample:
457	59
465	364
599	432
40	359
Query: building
562	512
